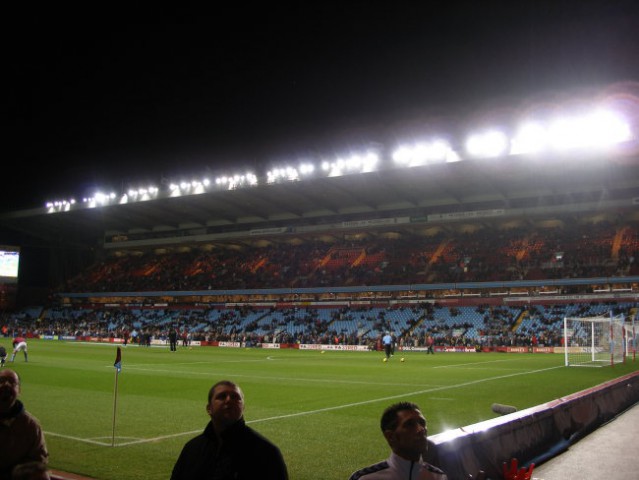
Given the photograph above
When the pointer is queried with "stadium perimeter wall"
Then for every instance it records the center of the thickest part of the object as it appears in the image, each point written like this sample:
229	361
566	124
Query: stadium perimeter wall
533	435
303	346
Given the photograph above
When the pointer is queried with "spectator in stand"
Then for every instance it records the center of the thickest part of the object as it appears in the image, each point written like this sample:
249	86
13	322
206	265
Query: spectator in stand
228	448
21	437
19	344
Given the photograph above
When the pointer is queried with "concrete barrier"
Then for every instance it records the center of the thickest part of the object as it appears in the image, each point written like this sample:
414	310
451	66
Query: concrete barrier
533	435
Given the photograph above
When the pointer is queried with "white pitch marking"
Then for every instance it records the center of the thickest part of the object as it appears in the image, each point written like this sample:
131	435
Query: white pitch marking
322	410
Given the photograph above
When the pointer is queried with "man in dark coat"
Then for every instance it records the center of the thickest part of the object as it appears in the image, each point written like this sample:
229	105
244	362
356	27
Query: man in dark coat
228	448
21	436
173	339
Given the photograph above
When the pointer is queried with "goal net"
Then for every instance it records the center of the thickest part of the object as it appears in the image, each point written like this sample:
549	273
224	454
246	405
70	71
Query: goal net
594	341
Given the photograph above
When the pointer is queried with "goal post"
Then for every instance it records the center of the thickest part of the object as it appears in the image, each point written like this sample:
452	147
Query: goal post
632	338
594	341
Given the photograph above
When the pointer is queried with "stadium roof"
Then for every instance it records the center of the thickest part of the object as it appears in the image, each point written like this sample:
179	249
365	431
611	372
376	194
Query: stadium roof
446	193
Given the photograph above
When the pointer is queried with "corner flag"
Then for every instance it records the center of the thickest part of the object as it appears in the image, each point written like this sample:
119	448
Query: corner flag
118	360
118	369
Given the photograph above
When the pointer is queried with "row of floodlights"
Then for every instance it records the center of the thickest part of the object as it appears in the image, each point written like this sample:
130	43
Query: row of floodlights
596	130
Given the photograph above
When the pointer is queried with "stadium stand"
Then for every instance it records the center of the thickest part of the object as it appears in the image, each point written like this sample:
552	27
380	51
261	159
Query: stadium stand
483	255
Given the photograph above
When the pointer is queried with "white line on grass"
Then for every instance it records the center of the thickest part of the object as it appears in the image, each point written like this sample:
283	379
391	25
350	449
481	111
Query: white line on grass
394	397
322	410
85	440
456	365
264	377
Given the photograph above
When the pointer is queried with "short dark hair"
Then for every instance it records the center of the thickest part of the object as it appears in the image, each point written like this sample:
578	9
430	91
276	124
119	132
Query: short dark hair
227	383
389	417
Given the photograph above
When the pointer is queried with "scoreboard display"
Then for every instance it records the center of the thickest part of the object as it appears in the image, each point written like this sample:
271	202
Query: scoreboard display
9	264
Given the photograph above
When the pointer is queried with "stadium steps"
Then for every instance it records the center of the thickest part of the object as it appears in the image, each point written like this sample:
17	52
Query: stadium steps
617	242
522	316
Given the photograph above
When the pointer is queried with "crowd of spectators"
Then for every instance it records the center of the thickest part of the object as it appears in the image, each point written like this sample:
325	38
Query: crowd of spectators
524	253
470	326
484	255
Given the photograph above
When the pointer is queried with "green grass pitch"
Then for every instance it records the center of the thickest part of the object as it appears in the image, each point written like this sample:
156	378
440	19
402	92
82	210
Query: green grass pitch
321	409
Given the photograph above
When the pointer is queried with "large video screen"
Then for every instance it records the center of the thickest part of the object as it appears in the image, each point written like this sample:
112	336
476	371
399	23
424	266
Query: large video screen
9	263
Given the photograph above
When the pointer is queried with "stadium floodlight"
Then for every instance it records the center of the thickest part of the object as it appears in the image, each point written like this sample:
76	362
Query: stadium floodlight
197	187
567	133
236	181
99	199
306	168
424	153
492	143
174	190
60	205
531	137
140	194
289	173
597	129
600	128
605	128
353	164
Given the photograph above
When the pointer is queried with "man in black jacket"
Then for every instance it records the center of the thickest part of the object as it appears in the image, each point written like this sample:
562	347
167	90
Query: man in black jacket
173	339
228	448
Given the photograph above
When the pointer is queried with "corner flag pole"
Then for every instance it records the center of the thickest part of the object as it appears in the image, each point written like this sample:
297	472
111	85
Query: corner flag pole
118	368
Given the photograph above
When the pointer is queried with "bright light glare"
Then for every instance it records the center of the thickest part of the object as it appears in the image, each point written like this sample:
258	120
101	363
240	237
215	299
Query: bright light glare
236	181
99	199
60	205
606	128
530	138
424	153
289	173
354	164
566	133
597	129
489	144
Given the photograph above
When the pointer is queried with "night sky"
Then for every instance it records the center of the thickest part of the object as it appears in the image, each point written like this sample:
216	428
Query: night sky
99	100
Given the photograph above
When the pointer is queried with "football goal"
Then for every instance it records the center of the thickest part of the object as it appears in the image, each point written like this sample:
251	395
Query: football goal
594	341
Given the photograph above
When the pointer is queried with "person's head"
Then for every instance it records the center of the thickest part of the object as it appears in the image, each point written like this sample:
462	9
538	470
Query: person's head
225	405
404	428
30	471
9	389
